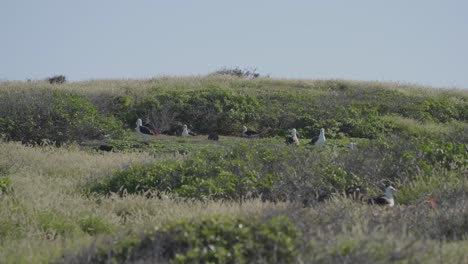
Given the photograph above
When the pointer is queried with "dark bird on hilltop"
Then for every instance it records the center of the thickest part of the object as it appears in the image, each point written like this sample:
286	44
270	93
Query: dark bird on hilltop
213	136
144	129
292	139
249	133
385	200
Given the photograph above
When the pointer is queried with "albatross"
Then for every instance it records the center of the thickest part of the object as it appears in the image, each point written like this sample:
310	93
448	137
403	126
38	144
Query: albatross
292	139
249	133
144	130
321	140
387	199
185	132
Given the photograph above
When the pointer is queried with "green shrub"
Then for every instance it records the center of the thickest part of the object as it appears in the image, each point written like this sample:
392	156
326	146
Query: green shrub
438	109
5	185
236	173
52	117
361	120
275	172
219	110
93	224
53	224
210	240
163	109
208	110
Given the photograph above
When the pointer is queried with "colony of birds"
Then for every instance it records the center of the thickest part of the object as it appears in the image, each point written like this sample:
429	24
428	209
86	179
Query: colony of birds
355	192
147	129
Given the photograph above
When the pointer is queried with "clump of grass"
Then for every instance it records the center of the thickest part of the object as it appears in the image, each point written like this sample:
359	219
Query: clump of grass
214	239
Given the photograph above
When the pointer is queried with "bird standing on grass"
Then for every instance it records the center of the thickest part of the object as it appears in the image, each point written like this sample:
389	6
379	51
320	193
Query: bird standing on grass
292	139
249	133
321	140
185	132
386	200
145	130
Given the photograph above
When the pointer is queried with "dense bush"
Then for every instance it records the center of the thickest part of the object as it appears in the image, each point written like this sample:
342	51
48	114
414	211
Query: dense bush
5	185
223	105
210	240
238	72
209	110
47	116
215	173
58	79
275	172
440	109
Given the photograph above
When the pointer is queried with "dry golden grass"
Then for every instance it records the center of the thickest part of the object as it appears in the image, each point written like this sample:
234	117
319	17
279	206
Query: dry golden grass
49	181
259	85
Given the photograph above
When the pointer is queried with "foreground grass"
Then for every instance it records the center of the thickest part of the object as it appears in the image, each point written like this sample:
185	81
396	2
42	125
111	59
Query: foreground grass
48	215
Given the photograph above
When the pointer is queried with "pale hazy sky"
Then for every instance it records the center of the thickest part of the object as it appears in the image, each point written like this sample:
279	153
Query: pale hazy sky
412	41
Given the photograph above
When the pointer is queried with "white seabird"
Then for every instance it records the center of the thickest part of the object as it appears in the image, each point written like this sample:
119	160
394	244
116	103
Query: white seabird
144	130
321	140
387	199
292	139
185	132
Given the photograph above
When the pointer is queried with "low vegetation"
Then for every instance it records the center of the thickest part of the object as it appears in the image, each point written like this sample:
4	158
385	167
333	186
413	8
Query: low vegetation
169	199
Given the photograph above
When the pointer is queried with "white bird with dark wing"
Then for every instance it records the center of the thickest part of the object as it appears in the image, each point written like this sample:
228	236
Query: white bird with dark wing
321	140
386	200
185	132
292	139
144	130
249	133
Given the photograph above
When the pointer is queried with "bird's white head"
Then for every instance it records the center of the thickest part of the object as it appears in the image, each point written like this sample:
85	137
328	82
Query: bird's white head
293	132
322	131
244	128
389	191
139	122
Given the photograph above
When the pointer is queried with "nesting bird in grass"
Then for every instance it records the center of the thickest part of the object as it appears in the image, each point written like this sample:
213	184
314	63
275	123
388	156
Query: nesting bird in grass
321	139
145	130
185	132
249	133
292	139
213	136
385	200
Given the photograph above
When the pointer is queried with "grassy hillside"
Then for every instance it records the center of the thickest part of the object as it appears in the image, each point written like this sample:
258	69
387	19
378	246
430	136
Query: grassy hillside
236	200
